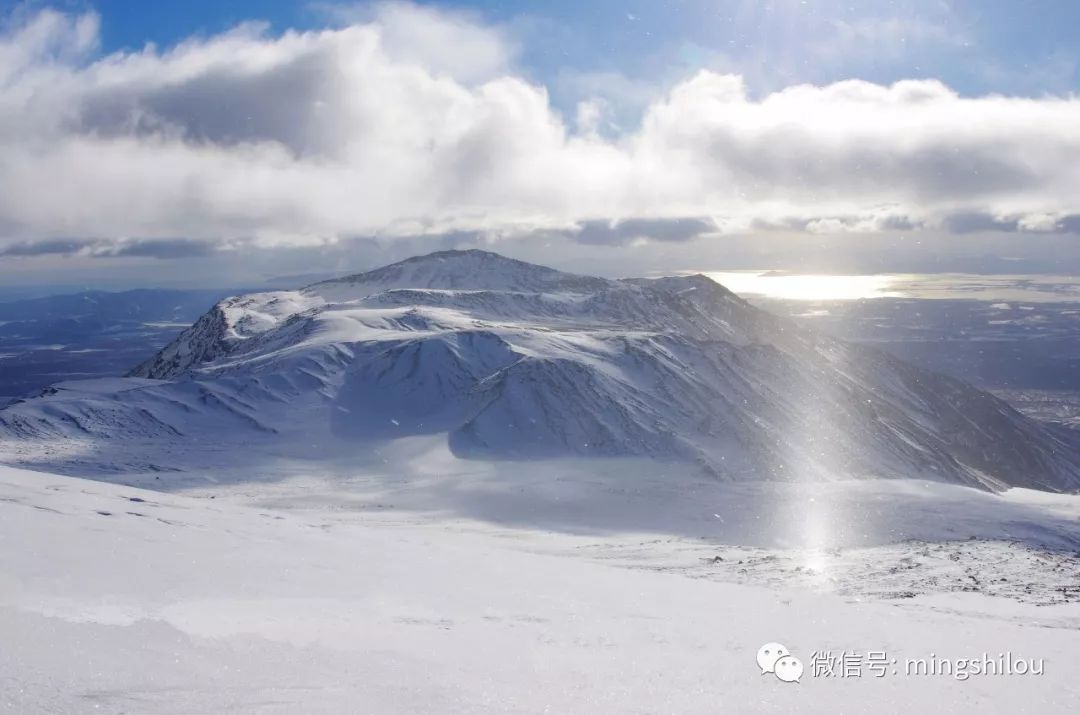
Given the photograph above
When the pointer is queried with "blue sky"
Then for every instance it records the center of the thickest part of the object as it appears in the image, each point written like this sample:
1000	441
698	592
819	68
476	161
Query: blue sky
238	139
1026	48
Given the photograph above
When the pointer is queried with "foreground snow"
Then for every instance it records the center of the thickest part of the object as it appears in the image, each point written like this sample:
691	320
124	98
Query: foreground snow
360	595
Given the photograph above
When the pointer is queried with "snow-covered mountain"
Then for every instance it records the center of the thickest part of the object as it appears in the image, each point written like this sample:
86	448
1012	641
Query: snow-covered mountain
517	361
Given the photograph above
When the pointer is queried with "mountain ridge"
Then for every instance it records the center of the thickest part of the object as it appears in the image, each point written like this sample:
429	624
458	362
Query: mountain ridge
517	361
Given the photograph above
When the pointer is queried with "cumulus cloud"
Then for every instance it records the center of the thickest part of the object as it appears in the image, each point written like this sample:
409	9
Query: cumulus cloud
409	121
449	41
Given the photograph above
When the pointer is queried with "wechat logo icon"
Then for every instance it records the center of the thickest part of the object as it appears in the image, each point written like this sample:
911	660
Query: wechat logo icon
775	658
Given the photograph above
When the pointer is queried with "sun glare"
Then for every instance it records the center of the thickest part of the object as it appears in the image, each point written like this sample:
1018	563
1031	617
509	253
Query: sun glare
806	287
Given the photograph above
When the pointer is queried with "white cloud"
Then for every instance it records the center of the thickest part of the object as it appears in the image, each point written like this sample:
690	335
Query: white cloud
443	41
589	115
627	95
49	36
411	121
1041	223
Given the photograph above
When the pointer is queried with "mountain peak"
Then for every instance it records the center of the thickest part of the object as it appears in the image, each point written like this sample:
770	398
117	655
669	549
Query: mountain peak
469	269
488	260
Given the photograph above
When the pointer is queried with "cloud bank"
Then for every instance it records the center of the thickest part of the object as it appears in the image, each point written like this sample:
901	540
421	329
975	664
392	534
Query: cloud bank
410	121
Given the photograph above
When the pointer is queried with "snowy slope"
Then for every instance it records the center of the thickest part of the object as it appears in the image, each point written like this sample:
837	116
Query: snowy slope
114	599
516	361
